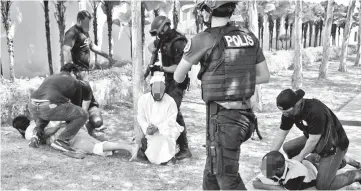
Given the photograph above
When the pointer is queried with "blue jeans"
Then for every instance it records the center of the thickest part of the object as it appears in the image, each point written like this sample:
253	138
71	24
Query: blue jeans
327	169
233	128
45	112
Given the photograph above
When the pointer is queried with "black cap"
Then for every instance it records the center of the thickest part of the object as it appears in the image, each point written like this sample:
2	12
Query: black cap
288	98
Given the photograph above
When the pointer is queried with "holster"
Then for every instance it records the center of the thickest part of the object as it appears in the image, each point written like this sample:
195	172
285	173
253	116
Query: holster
213	148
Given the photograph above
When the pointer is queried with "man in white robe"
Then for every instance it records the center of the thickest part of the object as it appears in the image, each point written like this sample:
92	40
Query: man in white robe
157	113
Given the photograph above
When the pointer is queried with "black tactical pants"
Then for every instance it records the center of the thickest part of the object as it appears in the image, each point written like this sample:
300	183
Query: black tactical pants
230	129
177	94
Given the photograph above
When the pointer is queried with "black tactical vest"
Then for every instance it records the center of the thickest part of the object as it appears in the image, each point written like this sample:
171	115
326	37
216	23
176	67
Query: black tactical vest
229	71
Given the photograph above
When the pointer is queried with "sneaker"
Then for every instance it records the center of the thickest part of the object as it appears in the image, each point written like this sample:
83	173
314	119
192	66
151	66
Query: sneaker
61	145
183	153
34	142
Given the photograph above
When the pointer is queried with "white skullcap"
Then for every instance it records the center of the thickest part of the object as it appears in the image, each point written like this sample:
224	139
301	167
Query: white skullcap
157	78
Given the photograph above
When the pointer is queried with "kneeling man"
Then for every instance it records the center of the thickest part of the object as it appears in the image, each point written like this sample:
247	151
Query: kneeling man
157	114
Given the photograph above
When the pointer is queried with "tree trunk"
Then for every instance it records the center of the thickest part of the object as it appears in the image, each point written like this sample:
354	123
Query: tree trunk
310	35
297	73
326	41
305	27
286	28
175	14
156	12
260	29
346	35
1	68
10	43
338	36
333	33
256	99
253	17
95	5
317	28
270	27
278	25
291	30
10	31
109	12
47	31
321	27
358	60
60	19
137	60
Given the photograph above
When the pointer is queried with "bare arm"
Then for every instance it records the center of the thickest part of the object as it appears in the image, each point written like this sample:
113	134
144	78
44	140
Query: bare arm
96	49
279	139
262	73
182	70
309	146
67	54
85	105
257	184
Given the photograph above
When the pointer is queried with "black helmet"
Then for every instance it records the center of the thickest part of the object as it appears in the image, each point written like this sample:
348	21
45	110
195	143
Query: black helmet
214	4
218	8
158	25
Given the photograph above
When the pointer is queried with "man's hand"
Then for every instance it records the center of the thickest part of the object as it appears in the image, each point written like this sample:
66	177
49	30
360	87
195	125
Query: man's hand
151	129
156	68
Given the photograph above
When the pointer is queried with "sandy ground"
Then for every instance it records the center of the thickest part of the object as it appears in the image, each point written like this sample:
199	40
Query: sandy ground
44	168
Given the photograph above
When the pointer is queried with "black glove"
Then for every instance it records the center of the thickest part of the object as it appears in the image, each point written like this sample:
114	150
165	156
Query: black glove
156	68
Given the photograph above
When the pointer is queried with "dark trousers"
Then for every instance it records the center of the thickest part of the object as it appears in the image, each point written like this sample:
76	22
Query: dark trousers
177	94
327	168
46	112
233	128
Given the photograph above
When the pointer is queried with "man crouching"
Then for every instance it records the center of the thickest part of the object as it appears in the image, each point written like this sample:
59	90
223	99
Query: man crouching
157	113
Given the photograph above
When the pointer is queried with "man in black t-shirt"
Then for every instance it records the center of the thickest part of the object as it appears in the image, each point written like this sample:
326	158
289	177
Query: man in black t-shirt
322	134
76	48
51	102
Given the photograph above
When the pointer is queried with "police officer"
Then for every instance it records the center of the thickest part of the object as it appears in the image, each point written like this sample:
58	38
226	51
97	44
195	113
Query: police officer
171	44
232	63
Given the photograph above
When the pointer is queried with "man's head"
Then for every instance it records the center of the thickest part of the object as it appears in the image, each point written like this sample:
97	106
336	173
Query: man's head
157	84
289	101
72	69
160	26
21	123
83	20
216	8
273	164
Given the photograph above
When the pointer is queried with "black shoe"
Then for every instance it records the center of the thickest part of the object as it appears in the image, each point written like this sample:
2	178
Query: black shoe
172	161
34	142
183	153
61	145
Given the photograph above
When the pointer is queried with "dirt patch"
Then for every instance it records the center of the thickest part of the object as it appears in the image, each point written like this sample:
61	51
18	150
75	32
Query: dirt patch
26	168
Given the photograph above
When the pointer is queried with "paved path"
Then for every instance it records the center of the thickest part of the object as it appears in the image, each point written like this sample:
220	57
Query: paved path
350	117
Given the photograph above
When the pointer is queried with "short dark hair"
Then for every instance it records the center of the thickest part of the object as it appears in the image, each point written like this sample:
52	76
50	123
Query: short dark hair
83	14
69	68
21	123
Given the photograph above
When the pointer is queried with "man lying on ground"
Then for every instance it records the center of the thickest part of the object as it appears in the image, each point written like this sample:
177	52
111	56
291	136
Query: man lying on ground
82	141
157	113
280	173
323	134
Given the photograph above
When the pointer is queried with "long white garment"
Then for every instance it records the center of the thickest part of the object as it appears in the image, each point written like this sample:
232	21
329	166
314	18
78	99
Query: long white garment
163	114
